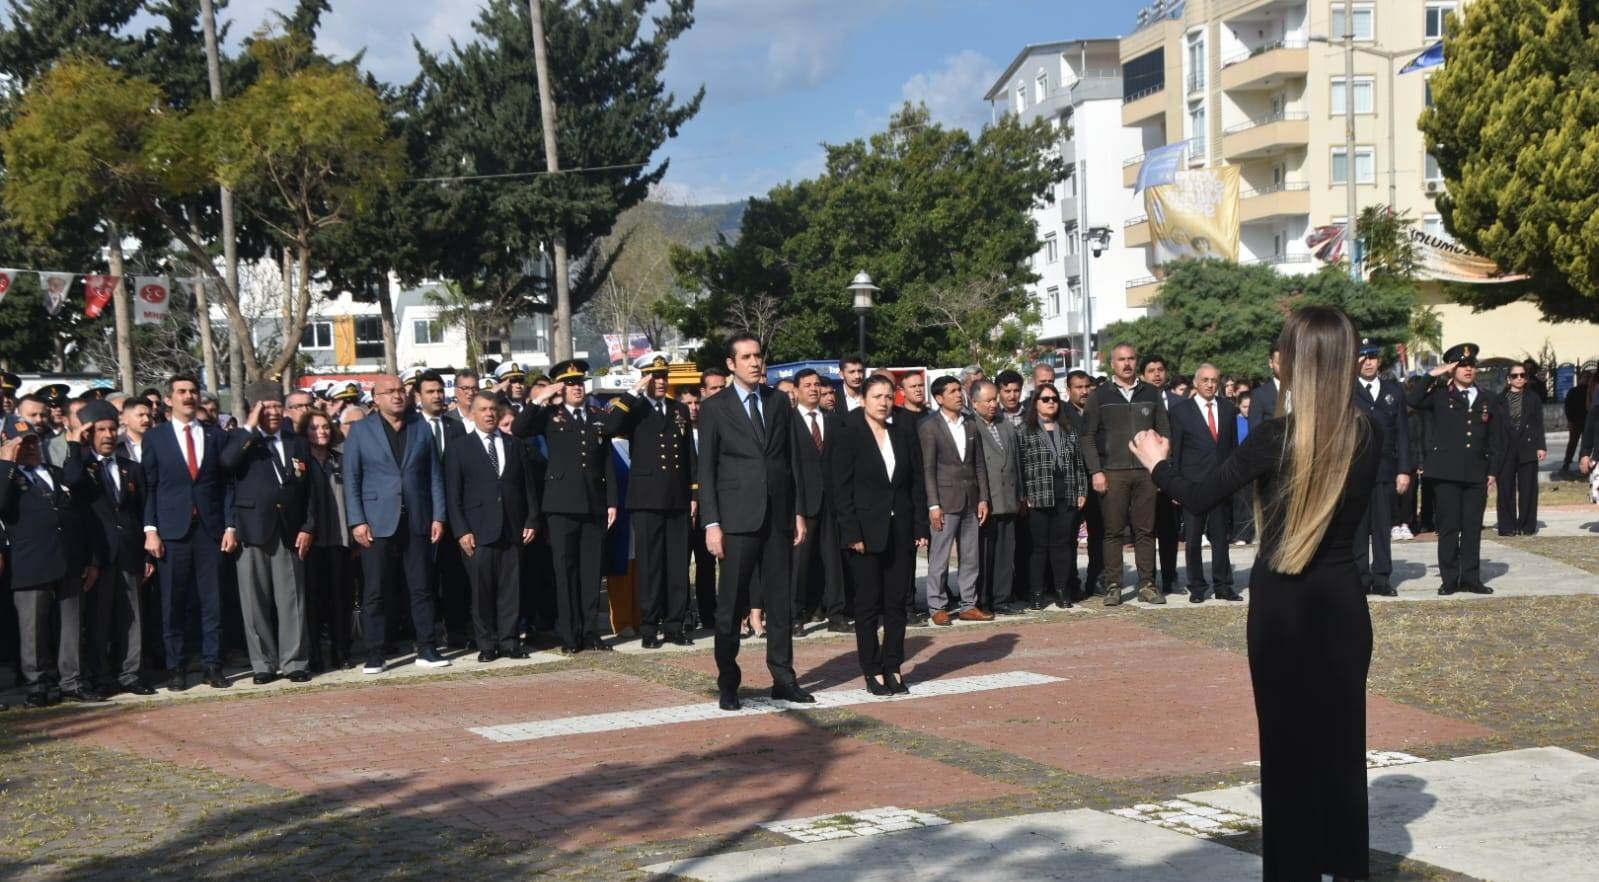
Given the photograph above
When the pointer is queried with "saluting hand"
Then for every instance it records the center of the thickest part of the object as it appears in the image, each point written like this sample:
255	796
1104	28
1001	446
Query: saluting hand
8	450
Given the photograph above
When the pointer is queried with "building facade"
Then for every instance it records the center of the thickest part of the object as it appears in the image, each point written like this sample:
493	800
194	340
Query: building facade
1077	86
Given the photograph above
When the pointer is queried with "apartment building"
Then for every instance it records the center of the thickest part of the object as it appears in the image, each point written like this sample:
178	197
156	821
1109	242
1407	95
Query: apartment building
1077	86
1261	84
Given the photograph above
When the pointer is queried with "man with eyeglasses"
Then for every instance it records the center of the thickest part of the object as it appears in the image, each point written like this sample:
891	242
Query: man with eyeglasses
466	386
1520	416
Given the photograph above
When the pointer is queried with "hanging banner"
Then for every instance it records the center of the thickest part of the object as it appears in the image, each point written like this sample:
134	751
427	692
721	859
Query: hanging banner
152	299
54	286
1327	242
1159	167
1195	216
97	292
6	278
1448	261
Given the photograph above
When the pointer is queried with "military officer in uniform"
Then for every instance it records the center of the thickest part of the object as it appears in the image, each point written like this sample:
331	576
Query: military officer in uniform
511	380
9	383
1461	459
660	496
579	498
1382	399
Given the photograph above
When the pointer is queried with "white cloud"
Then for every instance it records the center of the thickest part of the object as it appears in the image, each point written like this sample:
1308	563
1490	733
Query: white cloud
954	93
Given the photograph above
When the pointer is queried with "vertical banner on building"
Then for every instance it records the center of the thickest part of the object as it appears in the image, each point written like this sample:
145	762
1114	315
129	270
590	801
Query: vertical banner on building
55	287
152	299
97	292
1196	215
7	276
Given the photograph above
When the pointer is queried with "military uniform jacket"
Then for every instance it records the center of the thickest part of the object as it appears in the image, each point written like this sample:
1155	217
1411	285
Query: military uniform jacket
1465	443
1391	415
121	515
580	478
53	535
661	474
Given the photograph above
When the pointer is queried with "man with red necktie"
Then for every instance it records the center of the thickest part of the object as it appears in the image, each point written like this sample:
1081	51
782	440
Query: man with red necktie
1204	432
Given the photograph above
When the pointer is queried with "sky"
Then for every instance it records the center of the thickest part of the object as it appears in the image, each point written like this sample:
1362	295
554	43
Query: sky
781	77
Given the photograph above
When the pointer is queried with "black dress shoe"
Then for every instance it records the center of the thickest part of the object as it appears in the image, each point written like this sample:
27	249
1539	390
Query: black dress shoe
680	640
1008	609
571	650
138	687
1230	596
878	689
895	684
1476	588
1037	603
1383	589
729	700
83	695
213	677
37	699
258	679
598	645
518	653
1197	596
484	658
299	676
1447	590
792	692
176	681
1063	600
839	626
651	642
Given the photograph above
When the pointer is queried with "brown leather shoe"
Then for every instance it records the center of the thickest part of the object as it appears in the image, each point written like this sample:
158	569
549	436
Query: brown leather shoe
975	615
941	618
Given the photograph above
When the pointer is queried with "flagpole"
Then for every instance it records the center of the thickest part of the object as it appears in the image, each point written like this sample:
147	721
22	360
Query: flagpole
1349	135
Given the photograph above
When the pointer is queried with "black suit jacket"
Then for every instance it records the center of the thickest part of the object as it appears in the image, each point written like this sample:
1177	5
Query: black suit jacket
121	516
580	478
490	506
661	451
1391	414
744	477
266	510
1262	404
812	498
1193	451
52	533
1522	445
864	495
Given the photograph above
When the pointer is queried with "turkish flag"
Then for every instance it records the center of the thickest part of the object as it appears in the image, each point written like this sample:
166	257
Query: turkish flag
97	291
6	277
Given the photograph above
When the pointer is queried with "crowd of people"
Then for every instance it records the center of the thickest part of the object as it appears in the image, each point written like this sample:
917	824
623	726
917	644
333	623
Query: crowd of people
338	525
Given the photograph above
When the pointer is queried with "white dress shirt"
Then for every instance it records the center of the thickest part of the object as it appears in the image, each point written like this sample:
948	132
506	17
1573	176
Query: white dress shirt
1372	387
183	446
852	402
41	473
499	447
1470	394
957	431
885	448
810	416
108	465
1126	391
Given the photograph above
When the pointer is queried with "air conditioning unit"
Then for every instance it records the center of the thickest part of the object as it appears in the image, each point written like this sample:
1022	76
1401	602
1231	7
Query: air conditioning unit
1433	188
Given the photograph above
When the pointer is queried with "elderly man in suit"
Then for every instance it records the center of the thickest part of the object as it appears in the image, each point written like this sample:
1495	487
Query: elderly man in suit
114	612
1382	399
749	476
1204	432
957	501
276	525
1520	416
494	512
394	502
1002	462
817	429
188	506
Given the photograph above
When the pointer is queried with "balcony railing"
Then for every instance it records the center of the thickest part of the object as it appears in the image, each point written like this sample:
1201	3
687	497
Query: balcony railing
1247	54
1275	188
1132	160
1142	281
1142	93
1279	260
1283	116
1134	221
1196	81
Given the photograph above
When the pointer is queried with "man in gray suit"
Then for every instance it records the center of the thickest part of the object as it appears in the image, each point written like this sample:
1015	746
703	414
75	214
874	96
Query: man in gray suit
1002	461
957	500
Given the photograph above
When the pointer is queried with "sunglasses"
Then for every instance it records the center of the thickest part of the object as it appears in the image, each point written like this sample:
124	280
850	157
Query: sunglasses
1048	400
1518	376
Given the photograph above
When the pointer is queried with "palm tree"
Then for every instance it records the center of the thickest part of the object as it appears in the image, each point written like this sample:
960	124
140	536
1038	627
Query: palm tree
455	309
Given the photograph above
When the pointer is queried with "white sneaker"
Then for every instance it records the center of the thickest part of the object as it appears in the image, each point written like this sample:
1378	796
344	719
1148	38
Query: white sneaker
432	662
372	669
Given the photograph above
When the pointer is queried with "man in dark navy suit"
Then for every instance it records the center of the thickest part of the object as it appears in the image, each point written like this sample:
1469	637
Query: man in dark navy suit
115	611
494	513
276	525
1263	403
187	509
1382	399
1204	432
449	583
816	428
1168	515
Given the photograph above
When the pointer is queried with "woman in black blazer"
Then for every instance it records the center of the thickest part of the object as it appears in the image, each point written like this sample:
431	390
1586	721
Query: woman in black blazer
329	577
881	507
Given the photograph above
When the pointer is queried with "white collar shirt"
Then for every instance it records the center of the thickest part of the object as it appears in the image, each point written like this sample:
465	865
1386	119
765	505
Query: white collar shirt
499	447
957	431
812	416
178	427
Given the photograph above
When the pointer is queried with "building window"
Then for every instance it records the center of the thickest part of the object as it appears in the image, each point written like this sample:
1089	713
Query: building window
1068	187
1072	246
1051	249
1426	86
1433	225
1021	99
1365	166
1433	172
1051	303
1365	89
1365	17
317	335
1196	61
1197	151
1437	11
427	332
531	334
1041	88
1074	293
368	338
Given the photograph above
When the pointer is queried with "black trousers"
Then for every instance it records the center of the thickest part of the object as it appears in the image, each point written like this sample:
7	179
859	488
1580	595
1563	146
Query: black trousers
1460	508
1518	498
704	580
114	653
1374	558
577	545
1054	540
192	567
660	548
403	559
451	593
1427	506
329	603
1094	516
764	555
1167	519
494	571
882	580
539	610
996	580
1217	526
818	572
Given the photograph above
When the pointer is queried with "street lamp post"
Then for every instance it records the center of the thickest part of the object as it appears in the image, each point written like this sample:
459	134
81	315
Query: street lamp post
863	290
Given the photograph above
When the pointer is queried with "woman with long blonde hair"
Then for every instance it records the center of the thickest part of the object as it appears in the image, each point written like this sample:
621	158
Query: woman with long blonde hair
1313	470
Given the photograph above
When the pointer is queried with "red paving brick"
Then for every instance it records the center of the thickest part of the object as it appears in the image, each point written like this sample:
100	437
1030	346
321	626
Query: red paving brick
406	749
1135	701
